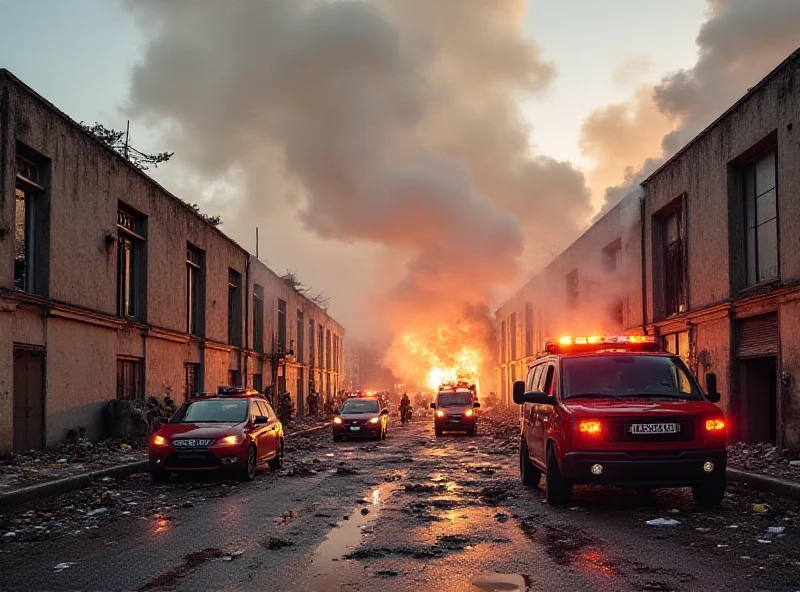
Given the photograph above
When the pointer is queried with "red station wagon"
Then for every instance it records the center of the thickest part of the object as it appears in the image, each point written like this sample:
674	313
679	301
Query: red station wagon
618	411
236	430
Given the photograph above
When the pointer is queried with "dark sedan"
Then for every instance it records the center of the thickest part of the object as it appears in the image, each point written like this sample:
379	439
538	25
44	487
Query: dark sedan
361	417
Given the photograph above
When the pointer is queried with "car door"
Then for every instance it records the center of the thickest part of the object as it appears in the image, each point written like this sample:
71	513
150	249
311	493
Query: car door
544	413
271	432
529	410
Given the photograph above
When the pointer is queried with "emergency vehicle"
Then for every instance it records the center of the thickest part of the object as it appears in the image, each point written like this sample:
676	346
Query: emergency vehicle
617	410
455	409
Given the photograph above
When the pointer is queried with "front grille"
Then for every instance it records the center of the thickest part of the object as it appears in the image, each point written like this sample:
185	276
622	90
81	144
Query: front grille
619	430
194	459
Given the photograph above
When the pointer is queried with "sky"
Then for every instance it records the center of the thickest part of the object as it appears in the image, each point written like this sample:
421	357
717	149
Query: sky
84	56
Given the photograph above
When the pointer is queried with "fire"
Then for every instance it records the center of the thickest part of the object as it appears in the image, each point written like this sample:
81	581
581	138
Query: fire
434	358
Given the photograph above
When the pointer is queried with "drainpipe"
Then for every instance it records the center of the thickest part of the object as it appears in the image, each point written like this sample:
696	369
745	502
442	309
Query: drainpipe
644	264
248	292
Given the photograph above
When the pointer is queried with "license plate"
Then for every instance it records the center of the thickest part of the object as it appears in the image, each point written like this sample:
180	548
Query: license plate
654	428
355	428
455	421
190	443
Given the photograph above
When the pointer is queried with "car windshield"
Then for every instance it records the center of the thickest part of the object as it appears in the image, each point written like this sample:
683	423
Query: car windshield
623	376
360	406
454	399
211	412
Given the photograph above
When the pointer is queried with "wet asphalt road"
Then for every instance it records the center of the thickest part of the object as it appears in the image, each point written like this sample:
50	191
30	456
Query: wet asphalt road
415	513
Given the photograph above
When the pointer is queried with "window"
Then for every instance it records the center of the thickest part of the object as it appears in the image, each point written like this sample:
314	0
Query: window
321	348
130	261
234	307
328	349
258	382
674	265
301	342
512	329
335	353
572	288
129	379
194	290
678	344
311	344
761	217
282	325
258	318
528	329
611	256
234	378
616	312
503	337
191	380
29	226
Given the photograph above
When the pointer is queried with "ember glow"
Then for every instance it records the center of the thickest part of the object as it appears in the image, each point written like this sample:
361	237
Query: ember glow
430	359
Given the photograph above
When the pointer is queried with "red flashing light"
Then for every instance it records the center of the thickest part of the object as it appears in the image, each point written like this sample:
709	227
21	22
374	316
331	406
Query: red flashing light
599	343
590	427
715	425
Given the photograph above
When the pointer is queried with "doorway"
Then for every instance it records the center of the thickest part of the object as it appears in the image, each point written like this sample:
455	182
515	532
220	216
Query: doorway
301	400
28	400
758	416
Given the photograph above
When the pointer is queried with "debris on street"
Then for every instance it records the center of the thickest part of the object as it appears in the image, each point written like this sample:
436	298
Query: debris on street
766	459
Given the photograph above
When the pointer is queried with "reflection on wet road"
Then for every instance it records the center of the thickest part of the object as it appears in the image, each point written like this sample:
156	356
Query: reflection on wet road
416	513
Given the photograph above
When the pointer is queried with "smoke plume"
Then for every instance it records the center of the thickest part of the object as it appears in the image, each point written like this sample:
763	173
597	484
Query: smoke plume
386	122
741	41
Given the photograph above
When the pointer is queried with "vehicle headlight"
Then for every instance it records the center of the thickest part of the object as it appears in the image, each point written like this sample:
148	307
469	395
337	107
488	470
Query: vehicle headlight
230	440
337	420
440	413
159	440
469	412
375	420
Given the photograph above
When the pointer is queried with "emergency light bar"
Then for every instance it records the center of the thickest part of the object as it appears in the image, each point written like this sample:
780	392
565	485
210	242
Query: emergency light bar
601	343
236	391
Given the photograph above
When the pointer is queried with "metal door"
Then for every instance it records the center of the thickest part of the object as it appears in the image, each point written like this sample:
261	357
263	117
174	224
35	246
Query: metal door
28	400
757	336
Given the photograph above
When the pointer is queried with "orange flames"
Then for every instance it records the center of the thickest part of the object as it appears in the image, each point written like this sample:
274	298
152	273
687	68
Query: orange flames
437	357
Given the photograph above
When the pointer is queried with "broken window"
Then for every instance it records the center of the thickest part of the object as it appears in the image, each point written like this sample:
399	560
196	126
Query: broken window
258	318
129	379
130	261
25	224
674	263
611	255
761	216
321	348
234	378
282	325
234	308
194	289
572	288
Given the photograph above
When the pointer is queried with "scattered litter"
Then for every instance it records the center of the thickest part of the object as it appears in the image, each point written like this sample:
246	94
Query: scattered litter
10	534
97	511
232	556
663	522
721	546
794	463
673	511
745	557
62	460
764	541
761	508
701	529
776	529
733	526
107	479
62	566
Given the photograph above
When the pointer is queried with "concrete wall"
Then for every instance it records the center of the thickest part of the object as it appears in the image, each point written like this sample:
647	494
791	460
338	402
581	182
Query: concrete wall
72	316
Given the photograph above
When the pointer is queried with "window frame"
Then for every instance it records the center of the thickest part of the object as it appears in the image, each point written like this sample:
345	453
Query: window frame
234	307
194	288
748	170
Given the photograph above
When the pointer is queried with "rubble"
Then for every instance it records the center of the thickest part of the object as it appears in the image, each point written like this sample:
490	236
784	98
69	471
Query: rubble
766	459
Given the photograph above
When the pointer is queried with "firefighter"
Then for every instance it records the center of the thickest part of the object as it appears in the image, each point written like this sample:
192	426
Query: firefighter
405	408
313	403
285	407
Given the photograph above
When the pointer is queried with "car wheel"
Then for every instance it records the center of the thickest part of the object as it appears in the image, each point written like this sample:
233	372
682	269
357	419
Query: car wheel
529	474
337	438
438	433
159	477
558	490
248	473
474	430
276	464
710	493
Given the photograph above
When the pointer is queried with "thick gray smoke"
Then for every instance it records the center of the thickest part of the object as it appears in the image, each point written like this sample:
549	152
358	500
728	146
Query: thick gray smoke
741	41
389	122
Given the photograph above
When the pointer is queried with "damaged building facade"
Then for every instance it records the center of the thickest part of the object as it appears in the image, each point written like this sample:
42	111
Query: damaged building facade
112	288
719	268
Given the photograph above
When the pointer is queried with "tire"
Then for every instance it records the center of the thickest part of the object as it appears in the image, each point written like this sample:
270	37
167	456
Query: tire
710	493
337	438
159	477
276	464
529	475
474	430
558	490
248	472
438	433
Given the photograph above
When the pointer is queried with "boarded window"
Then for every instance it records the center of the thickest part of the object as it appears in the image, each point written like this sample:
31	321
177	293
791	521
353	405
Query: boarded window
129	379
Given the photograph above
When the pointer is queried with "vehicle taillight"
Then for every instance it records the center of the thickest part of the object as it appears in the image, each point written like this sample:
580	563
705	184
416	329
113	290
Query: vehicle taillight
159	440
589	427
715	425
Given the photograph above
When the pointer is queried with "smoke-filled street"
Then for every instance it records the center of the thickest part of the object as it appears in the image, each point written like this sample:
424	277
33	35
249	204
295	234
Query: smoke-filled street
411	513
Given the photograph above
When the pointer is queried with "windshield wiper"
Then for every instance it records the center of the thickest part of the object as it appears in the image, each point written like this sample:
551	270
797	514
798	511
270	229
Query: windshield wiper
653	395
592	395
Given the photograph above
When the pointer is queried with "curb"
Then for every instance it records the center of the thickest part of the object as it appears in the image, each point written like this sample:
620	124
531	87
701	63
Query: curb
775	485
34	492
66	484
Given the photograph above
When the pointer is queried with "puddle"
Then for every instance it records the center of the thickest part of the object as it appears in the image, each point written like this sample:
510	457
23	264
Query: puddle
346	537
501	582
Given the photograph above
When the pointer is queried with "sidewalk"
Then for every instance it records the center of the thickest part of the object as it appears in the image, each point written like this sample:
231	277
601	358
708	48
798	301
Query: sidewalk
765	467
39	473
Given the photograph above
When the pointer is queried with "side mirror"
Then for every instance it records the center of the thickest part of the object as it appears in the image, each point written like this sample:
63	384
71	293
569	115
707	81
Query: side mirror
712	394
260	420
433	405
476	405
537	397
518	392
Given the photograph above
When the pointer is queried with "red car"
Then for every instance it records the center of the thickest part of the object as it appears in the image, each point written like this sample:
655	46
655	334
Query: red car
616	410
235	430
